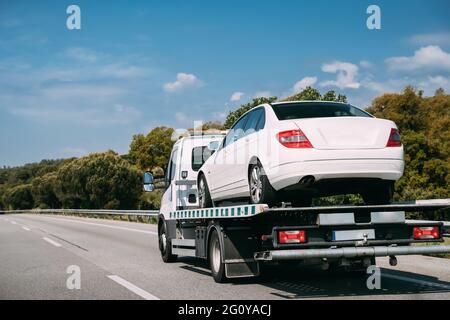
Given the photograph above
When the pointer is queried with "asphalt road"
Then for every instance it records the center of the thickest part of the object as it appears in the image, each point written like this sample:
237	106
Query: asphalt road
120	260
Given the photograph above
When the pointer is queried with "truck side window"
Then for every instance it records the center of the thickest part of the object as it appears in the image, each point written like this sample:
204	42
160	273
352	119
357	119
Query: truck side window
199	156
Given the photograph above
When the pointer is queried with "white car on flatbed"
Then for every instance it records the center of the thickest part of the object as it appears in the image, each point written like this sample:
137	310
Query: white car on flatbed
294	151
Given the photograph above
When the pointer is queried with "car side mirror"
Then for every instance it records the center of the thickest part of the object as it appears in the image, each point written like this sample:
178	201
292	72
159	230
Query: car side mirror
148	182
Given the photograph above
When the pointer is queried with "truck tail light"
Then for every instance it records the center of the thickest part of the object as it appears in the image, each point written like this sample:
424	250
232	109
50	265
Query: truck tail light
294	139
426	233
394	139
291	236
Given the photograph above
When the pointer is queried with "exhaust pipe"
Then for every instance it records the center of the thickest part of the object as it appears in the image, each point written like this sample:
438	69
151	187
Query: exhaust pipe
307	181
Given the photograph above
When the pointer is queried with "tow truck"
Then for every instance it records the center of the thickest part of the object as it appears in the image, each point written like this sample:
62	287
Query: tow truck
238	239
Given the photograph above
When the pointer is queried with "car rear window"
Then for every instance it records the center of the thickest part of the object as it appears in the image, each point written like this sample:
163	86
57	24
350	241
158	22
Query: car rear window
287	111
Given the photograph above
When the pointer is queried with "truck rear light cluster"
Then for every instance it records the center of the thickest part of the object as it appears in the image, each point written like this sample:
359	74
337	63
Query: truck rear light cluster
426	233
291	236
294	139
394	139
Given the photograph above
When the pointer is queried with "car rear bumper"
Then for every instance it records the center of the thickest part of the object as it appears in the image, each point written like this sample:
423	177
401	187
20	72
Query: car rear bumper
291	173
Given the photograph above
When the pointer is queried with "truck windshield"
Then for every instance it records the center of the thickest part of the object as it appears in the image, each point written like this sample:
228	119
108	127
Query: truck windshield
287	111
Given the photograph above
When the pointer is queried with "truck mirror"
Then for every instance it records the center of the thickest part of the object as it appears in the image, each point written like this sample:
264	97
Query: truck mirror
148	182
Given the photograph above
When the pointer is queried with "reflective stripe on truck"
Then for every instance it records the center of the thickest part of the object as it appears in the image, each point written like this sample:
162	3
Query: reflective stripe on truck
225	212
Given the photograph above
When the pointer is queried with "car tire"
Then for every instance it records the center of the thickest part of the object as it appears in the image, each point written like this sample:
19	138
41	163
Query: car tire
379	195
215	258
165	244
204	197
261	191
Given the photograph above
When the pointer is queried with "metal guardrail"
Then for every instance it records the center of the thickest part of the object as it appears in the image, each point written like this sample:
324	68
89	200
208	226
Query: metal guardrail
140	213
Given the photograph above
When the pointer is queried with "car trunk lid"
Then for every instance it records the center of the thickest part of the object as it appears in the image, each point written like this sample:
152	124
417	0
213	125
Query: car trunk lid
346	132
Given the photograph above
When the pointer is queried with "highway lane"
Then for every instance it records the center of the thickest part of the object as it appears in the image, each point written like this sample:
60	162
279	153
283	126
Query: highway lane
120	260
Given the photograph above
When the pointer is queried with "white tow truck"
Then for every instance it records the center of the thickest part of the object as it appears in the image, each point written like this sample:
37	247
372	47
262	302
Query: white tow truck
237	239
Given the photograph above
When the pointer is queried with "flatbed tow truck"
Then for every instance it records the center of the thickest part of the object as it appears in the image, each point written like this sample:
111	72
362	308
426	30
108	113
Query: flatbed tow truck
237	240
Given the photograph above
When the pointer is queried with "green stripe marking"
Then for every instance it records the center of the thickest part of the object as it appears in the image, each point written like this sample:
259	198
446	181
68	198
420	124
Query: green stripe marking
253	210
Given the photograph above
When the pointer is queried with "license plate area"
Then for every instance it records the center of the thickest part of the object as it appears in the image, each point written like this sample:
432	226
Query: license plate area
347	235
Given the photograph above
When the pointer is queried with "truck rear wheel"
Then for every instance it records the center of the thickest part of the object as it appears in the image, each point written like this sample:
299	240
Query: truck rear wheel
215	258
165	244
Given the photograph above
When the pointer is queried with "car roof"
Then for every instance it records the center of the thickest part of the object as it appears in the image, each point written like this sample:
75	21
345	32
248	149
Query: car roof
308	101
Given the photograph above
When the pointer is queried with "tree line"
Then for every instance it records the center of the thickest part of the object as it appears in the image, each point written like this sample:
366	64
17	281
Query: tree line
112	181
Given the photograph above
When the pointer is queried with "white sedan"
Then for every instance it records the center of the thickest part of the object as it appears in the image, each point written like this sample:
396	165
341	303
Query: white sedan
294	151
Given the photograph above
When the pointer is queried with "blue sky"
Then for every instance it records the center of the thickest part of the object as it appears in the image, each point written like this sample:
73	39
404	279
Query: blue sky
135	65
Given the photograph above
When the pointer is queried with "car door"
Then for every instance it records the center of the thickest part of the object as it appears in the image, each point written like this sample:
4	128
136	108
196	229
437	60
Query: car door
226	173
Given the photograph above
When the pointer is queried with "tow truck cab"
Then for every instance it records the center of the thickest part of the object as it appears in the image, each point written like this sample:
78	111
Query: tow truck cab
187	156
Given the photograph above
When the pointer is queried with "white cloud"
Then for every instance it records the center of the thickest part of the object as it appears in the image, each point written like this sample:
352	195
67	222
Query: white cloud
365	64
81	54
262	94
426	58
439	81
236	96
346	74
184	80
441	38
302	84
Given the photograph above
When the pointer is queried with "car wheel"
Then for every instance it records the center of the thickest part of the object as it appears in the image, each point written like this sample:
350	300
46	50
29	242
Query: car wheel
215	258
260	189
379	195
165	244
204	197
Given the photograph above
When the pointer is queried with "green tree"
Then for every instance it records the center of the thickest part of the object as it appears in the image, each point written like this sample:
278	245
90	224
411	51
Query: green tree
43	190
152	150
18	198
423	123
100	180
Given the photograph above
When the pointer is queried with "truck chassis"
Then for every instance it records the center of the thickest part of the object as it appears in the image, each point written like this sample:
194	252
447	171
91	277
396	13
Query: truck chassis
237	240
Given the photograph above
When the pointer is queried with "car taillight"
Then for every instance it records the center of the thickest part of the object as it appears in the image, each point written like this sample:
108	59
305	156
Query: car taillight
394	139
291	236
426	233
294	139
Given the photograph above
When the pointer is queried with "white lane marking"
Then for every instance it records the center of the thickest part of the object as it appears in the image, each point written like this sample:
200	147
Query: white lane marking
105	225
25	228
13	222
417	281
56	244
140	292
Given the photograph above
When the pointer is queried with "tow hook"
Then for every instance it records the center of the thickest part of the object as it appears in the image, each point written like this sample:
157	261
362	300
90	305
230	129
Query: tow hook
364	241
393	261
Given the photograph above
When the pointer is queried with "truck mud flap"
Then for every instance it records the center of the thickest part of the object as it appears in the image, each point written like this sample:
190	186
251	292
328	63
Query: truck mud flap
243	269
239	249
